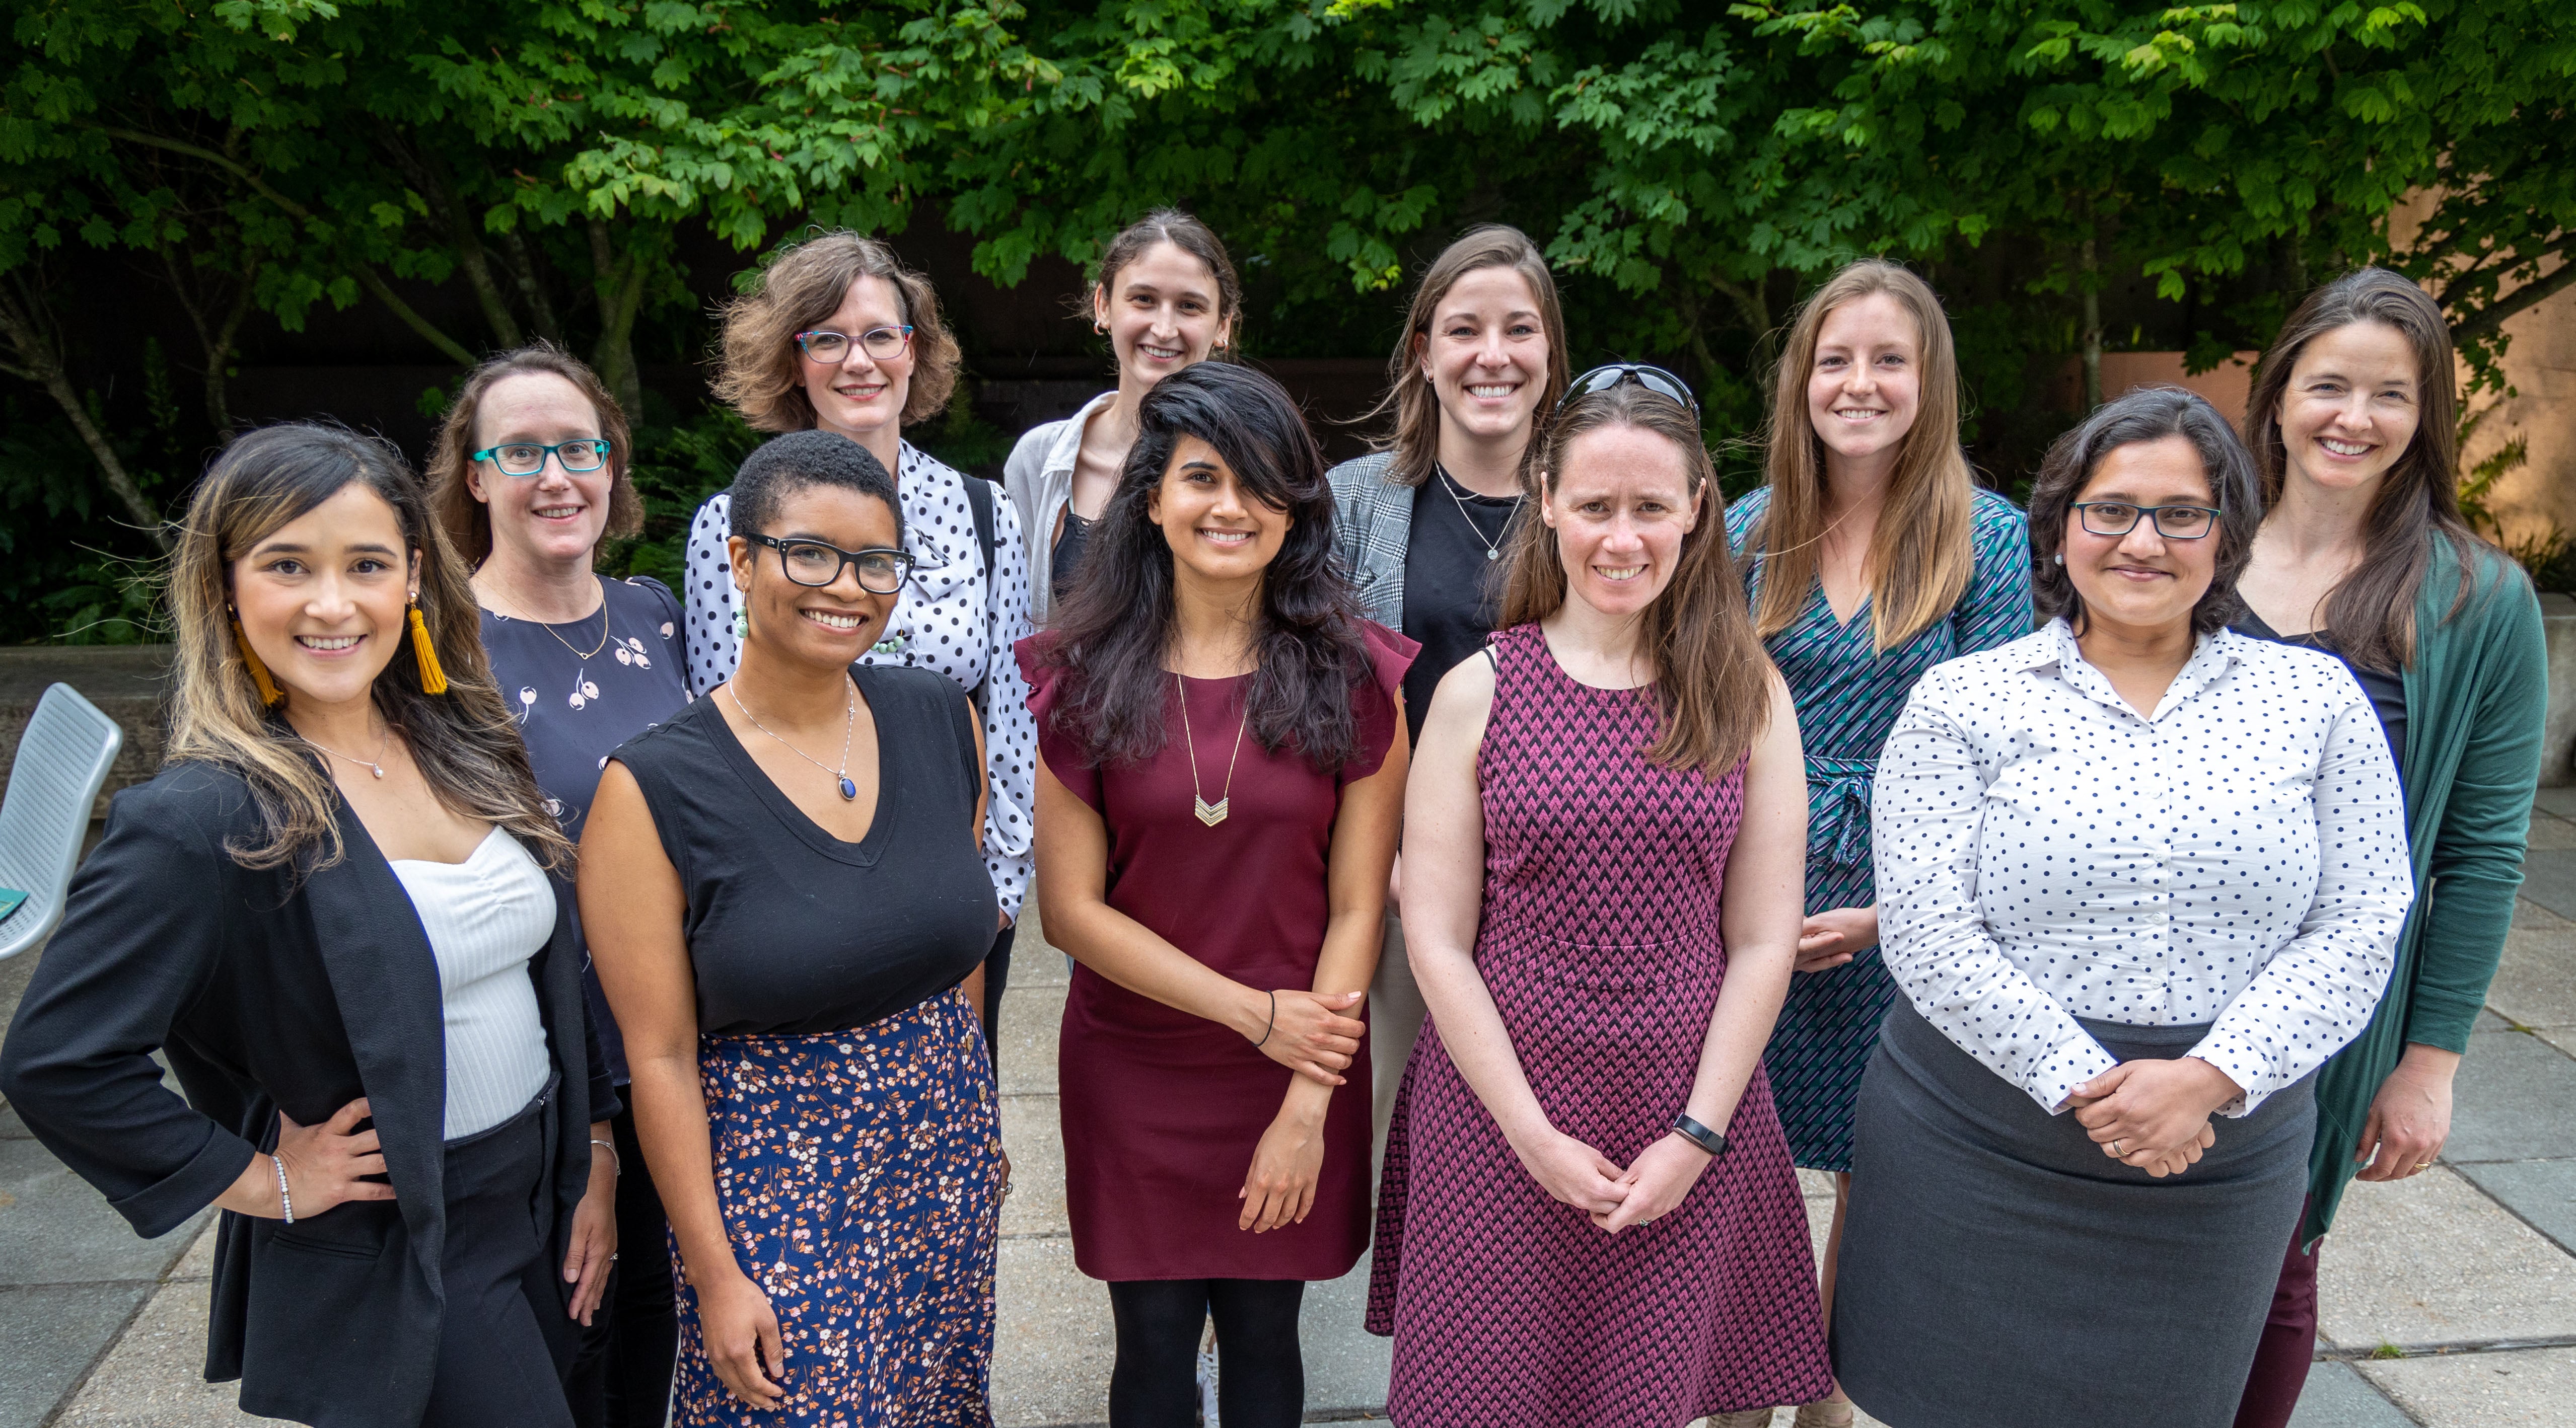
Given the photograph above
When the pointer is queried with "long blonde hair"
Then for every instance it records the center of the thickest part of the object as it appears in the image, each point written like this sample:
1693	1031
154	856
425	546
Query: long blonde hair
1921	557
463	739
1712	676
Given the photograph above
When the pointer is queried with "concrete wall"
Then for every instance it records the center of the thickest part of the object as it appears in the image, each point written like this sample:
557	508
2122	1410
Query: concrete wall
124	681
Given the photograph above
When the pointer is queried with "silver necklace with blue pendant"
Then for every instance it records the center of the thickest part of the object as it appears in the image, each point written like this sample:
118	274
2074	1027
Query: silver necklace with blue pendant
849	722
1493	549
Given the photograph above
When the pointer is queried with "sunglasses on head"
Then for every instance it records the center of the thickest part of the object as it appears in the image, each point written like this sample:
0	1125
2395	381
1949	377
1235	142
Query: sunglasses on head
1653	379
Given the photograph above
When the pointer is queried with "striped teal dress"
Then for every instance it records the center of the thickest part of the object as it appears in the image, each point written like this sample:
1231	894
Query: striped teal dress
1849	694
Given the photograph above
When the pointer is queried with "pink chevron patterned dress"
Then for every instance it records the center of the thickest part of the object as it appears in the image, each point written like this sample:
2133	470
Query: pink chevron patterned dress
1599	941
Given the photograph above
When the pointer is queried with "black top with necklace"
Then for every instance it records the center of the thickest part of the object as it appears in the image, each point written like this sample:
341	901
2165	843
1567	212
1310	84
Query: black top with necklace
2387	691
579	690
791	931
1452	574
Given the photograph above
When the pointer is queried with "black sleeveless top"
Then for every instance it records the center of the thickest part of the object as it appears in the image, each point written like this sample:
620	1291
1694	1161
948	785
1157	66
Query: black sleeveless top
791	931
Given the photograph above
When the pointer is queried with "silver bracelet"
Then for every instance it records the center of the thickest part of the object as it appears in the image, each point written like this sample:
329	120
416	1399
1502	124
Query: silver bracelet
285	1200
616	1162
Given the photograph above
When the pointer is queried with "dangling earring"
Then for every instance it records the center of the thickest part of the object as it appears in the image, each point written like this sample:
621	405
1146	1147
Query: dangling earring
741	619
269	693
433	680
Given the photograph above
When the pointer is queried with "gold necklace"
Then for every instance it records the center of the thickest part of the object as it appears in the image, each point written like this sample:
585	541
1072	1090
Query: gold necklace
1210	814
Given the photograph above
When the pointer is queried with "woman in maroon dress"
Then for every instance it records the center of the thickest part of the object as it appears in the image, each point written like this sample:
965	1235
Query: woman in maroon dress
1220	781
1588	1214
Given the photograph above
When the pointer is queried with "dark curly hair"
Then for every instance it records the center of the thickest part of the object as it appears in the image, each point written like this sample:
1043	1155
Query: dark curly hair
1115	627
2151	414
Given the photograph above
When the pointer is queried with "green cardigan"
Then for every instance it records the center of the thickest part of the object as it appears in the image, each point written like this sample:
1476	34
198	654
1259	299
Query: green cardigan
2476	697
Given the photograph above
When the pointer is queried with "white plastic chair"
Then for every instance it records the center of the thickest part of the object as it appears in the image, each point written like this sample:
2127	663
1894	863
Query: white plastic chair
61	765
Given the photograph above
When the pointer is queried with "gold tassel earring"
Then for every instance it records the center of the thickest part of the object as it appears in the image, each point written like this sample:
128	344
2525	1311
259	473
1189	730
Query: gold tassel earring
269	693
433	680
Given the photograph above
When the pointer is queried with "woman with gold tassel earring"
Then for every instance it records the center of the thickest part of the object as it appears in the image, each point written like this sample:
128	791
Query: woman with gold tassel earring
331	910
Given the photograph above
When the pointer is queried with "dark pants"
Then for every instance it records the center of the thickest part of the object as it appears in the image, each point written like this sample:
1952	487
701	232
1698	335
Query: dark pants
623	1378
504	1342
997	974
2289	1343
1261	1375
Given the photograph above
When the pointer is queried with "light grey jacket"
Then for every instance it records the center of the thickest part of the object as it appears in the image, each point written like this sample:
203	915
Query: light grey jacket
1372	524
1039	480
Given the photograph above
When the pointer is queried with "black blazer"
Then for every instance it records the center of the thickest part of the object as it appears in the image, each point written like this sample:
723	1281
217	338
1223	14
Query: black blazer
265	994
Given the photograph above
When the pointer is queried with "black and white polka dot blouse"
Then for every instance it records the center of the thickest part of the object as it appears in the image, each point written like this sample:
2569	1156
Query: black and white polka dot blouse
950	618
2238	858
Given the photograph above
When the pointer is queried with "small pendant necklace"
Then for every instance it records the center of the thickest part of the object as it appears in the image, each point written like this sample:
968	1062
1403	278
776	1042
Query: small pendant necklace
849	722
1493	551
1210	814
375	765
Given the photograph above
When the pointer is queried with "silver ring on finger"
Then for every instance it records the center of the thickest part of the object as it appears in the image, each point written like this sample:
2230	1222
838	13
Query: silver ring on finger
2115	1147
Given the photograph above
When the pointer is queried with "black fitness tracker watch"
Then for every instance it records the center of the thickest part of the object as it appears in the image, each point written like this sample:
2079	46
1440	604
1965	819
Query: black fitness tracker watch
1699	1135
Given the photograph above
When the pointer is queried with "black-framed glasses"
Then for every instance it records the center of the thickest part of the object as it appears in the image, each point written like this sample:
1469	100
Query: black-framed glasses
2118	518
527	458
882	569
1653	379
882	344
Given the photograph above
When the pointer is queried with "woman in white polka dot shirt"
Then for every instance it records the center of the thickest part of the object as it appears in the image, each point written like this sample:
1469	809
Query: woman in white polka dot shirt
841	337
2139	876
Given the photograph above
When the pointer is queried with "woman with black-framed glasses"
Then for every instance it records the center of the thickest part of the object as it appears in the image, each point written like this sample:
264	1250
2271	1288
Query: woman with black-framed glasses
840	336
790	915
2141	876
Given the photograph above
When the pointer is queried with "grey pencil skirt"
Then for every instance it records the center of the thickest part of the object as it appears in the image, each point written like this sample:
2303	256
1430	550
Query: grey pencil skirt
1999	1271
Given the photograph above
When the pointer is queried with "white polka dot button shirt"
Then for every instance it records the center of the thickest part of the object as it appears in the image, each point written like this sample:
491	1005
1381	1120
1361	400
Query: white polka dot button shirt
949	618
2237	858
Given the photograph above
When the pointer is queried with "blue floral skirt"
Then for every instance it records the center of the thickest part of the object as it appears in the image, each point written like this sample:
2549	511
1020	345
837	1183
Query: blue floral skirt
860	1179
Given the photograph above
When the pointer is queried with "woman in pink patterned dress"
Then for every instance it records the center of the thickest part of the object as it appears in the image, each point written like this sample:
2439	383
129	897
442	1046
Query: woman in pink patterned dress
1588	1213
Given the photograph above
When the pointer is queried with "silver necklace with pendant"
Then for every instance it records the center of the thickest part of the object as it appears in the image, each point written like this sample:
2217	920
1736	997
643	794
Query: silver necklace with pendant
1451	485
849	721
375	765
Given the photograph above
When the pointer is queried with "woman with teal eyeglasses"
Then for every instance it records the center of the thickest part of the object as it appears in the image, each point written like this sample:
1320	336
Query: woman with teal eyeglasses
528	477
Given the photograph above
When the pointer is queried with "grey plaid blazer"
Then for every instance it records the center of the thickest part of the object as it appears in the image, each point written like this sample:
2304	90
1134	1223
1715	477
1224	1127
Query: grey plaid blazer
1372	522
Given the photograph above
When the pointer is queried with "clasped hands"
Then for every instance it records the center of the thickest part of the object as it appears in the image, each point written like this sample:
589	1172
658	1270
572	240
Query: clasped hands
1612	1197
2154	1115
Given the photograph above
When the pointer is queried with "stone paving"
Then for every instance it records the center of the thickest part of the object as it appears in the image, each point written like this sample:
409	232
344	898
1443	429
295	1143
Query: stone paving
2449	1300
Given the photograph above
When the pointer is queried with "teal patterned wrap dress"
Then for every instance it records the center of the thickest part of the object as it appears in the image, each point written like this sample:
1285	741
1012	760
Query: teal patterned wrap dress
1849	694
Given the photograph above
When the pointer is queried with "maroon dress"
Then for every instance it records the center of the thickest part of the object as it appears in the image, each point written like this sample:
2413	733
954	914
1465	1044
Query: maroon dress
1161	1109
1599	941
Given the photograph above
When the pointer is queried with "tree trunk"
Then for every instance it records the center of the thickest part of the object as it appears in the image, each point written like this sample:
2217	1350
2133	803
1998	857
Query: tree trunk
523	271
620	281
219	356
2092	329
426	171
38	362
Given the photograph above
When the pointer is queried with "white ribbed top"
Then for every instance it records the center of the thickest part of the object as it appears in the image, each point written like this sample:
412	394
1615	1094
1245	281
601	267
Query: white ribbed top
485	918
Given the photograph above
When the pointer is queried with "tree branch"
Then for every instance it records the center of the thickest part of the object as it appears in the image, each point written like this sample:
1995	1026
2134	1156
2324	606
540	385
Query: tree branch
38	360
365	273
2531	294
425	172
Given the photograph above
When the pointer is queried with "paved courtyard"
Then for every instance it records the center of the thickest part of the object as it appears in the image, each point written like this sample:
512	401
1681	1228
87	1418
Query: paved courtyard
2449	1299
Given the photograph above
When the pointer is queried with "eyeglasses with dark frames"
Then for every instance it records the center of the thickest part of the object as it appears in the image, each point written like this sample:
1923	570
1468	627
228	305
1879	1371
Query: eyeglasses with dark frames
2118	518
882	569
527	458
882	344
1653	379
